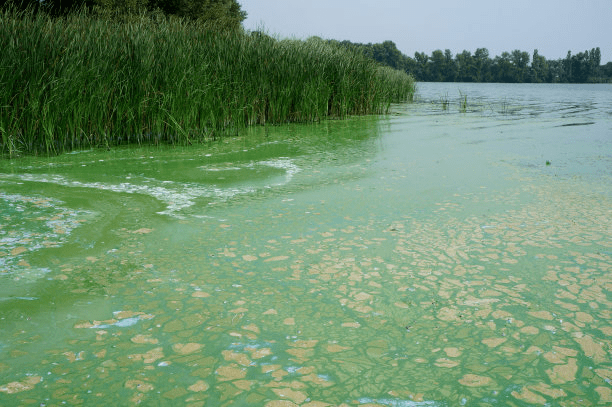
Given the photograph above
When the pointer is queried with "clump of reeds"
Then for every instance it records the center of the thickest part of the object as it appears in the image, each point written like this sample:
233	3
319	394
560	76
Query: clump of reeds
462	102
505	107
84	81
444	101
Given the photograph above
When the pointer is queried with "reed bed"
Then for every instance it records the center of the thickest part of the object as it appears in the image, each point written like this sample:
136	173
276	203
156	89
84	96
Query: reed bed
84	81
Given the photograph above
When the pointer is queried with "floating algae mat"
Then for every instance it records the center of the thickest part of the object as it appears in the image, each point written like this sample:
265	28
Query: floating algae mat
426	258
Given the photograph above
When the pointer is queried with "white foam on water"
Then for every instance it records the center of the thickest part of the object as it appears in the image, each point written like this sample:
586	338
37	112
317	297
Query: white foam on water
216	169
175	195
284	164
123	323
401	403
18	298
32	223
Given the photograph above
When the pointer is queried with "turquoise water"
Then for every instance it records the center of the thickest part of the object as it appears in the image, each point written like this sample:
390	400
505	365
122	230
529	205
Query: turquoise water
431	257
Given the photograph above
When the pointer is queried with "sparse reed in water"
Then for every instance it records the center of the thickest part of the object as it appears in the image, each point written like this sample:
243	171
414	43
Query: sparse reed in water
462	102
85	81
444	101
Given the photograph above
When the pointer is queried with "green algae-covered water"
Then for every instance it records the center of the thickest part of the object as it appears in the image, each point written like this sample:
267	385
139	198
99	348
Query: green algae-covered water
432	257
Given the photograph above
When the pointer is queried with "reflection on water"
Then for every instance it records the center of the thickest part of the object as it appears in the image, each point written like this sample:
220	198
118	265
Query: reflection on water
426	258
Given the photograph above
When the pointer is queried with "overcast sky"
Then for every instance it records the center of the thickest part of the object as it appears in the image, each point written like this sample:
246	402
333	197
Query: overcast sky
552	26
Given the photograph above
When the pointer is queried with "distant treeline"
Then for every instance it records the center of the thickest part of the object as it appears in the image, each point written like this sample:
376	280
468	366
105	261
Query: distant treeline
511	67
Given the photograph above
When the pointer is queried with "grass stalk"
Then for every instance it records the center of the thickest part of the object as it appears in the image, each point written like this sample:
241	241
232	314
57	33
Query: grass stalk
462	102
444	101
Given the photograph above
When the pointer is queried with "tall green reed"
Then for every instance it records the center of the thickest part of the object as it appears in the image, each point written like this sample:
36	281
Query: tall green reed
85	81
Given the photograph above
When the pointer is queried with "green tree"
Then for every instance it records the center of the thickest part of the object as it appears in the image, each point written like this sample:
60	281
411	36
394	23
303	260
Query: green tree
388	54
502	68
539	68
437	68
111	8
422	66
582	67
410	66
442	66
466	70
450	66
555	71
520	62
221	13
482	65
596	56
606	71
595	62
568	75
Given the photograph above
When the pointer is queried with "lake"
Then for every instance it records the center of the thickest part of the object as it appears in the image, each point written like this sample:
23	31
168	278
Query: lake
457	251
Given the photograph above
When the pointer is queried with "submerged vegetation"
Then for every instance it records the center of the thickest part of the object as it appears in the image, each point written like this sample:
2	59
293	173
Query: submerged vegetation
83	80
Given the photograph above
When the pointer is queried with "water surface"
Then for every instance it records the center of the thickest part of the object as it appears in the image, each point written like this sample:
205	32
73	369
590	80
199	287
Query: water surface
437	256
